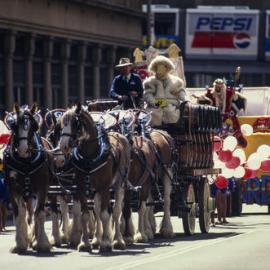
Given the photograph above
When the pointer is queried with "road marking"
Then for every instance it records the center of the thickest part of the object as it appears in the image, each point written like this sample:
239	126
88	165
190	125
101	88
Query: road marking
172	253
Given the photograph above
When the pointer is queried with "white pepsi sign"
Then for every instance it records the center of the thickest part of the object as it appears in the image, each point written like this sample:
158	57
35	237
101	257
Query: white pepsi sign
267	36
222	33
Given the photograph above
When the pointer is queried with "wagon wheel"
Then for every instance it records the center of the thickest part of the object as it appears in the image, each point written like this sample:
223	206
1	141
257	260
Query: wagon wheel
189	217
206	205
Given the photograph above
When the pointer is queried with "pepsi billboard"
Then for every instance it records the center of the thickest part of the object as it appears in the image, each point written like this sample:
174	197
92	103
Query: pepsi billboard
222	34
267	36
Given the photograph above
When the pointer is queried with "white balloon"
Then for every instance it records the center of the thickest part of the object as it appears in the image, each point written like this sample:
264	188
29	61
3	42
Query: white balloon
263	151
255	156
239	172
246	129
254	164
218	164
215	156
240	153
228	173
229	143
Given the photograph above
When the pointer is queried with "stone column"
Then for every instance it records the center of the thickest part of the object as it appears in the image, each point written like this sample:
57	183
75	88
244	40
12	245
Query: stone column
9	48
65	58
96	51
111	63
29	52
48	51
82	57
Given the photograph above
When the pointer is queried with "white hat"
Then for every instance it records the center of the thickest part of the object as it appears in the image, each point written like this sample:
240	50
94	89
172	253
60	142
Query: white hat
124	62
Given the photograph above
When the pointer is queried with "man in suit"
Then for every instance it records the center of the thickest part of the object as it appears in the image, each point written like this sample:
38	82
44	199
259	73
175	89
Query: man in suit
127	87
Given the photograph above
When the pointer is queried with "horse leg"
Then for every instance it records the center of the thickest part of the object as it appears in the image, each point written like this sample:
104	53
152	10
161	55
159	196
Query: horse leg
65	219
118	242
166	228
55	240
98	233
91	224
85	243
149	217
141	236
128	226
76	226
106	240
21	238
42	243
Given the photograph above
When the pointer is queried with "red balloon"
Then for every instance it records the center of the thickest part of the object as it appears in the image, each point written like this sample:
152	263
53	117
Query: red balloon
250	173
225	155
217	143
233	163
221	182
265	165
4	138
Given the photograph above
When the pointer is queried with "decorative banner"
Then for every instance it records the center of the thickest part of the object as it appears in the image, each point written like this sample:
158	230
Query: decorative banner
162	41
220	33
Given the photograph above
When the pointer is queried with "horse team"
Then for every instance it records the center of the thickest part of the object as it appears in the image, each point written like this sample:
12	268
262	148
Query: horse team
103	164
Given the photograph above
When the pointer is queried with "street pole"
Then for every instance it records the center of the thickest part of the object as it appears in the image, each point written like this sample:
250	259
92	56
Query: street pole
150	24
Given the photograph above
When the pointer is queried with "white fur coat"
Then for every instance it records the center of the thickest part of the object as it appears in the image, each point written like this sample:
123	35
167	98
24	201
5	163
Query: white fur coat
171	89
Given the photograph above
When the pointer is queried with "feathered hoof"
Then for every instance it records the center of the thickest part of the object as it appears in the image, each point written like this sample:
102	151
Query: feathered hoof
149	234
73	245
18	250
64	239
95	243
141	238
105	249
129	240
55	243
166	233
120	245
42	249
84	248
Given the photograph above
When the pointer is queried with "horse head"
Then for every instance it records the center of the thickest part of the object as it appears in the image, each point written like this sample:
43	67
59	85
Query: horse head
77	125
24	123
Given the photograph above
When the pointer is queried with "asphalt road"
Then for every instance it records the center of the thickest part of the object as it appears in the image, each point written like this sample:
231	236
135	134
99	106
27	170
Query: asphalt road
242	244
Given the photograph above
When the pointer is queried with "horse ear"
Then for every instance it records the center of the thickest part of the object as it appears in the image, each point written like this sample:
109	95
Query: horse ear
78	108
16	108
33	108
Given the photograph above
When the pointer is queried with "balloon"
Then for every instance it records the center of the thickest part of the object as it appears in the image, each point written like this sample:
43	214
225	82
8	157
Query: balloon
230	143
239	172
254	164
264	151
250	173
241	154
218	164
215	156
228	173
255	156
217	143
4	138
225	155
246	129
233	163
265	165
221	182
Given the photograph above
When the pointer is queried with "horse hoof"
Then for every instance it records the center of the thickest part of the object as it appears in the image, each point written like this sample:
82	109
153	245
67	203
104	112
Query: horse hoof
129	240
43	249
64	239
120	245
55	243
18	250
141	238
84	248
166	233
73	245
105	249
95	244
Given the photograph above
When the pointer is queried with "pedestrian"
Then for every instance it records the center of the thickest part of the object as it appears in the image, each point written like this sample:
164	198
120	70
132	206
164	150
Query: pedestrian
127	87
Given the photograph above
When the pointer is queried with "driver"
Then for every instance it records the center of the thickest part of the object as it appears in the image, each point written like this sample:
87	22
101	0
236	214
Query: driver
127	87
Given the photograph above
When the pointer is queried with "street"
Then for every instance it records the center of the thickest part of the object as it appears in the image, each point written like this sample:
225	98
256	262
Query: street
242	244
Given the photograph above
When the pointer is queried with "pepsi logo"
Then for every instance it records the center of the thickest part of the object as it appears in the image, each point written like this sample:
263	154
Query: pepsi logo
241	40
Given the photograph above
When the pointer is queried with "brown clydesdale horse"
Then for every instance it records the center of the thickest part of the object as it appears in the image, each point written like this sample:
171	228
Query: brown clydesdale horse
101	162
27	171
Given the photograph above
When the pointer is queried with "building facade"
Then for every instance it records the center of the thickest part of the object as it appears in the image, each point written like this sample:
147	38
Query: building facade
202	70
57	52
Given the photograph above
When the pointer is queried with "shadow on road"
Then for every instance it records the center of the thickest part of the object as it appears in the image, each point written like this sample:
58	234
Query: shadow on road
53	253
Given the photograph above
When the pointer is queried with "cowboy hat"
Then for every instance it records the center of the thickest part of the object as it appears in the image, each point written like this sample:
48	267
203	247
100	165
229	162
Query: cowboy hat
123	62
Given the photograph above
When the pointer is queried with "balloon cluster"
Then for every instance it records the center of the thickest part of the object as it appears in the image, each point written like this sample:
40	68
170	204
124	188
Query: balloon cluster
233	161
